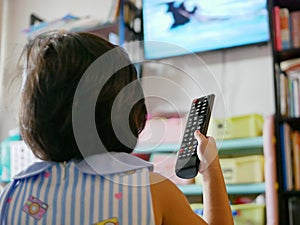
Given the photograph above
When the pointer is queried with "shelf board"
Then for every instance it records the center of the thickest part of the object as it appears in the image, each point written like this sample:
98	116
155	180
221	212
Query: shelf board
241	146
230	145
287	54
253	188
293	121
253	142
290	4
292	193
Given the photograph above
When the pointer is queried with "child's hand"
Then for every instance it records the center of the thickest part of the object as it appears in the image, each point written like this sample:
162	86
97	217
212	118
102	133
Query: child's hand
206	150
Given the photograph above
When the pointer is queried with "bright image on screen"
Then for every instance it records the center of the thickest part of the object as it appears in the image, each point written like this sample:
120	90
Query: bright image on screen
202	25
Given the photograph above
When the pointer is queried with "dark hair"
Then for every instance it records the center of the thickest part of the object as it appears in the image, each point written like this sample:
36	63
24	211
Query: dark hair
54	64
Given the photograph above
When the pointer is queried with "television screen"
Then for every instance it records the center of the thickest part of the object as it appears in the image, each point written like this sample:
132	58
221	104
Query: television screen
173	28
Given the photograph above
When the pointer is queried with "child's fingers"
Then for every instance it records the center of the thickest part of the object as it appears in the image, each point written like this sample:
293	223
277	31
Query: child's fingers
202	141
206	150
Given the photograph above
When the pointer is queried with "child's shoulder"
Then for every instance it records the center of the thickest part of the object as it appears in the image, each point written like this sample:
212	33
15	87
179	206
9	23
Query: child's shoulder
160	181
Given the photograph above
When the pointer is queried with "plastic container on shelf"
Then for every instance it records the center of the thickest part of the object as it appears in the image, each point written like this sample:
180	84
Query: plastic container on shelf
236	127
246	169
243	214
20	157
159	131
241	170
5	155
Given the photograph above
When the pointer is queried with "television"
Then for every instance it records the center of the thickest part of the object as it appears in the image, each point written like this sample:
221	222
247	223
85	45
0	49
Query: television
173	28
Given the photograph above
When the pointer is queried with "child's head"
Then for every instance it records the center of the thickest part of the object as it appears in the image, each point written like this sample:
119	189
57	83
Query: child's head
54	64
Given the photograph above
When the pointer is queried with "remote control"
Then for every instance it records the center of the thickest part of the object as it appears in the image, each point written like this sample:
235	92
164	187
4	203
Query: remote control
187	164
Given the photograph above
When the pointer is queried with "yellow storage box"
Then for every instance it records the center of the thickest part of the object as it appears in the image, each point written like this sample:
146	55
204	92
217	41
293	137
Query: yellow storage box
236	127
246	169
241	170
243	214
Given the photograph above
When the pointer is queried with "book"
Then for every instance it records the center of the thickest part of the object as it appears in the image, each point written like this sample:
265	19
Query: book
283	94
290	64
286	154
294	79
294	209
290	155
285	28
114	11
276	25
296	158
295	28
283	157
290	98
289	92
296	100
290	87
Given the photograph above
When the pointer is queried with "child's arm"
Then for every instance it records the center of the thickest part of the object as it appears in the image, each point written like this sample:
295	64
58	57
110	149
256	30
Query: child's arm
171	206
215	198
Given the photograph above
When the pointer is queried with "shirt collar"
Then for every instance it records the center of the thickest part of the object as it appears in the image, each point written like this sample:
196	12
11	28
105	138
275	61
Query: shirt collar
101	164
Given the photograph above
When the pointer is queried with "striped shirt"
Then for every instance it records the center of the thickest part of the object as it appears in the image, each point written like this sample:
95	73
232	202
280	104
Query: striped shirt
100	190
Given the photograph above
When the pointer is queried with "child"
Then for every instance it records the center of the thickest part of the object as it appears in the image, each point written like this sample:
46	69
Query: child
75	85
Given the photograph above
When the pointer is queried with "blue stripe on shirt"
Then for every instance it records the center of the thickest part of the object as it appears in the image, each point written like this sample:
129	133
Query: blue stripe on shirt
82	197
54	197
111	194
130	190
38	192
23	199
139	196
15	204
47	189
32	184
64	195
73	199
92	199
101	197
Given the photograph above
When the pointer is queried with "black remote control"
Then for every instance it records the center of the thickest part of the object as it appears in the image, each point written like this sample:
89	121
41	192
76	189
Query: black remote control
187	164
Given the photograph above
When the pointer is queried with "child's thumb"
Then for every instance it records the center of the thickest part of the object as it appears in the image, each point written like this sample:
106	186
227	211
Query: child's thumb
202	140
199	136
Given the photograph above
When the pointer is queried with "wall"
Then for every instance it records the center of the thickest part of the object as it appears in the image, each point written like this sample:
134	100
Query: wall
241	77
16	17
